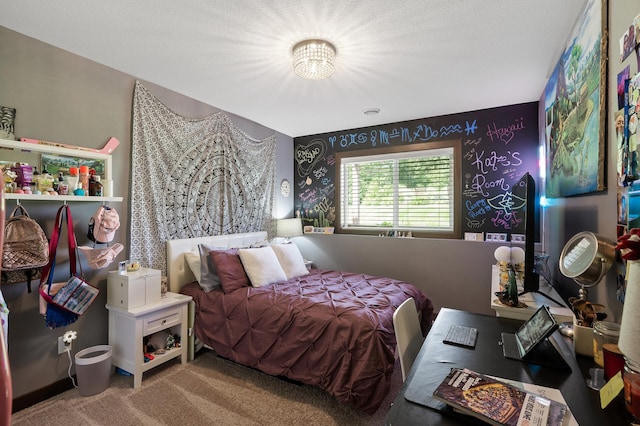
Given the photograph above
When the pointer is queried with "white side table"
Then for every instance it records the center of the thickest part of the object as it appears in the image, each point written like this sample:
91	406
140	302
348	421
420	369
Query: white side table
127	327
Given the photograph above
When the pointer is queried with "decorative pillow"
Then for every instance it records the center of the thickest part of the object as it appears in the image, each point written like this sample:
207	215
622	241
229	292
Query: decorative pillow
229	269
262	266
193	260
290	259
208	278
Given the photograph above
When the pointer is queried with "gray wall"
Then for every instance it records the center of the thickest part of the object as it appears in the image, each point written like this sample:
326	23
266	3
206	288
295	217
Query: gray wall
62	97
453	273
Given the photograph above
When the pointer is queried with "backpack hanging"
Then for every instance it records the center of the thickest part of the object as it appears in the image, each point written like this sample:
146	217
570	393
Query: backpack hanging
25	248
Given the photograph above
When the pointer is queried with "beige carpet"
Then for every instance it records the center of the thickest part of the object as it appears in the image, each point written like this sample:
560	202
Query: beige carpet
206	391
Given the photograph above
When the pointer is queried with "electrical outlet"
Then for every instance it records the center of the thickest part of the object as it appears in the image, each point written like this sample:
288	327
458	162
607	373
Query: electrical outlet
62	347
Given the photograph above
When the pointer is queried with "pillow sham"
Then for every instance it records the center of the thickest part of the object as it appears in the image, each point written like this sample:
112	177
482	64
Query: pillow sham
193	260
262	266
208	277
290	260
229	268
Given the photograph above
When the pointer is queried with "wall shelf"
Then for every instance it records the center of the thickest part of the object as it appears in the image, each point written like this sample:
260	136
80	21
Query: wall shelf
72	198
63	151
51	149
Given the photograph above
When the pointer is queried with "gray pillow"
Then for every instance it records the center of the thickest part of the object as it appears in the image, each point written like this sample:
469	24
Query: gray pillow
208	277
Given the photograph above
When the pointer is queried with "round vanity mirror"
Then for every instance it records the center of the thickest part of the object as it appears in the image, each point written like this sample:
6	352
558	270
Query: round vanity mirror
586	258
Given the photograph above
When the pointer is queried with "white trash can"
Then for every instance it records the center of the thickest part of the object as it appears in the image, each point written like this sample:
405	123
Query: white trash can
93	369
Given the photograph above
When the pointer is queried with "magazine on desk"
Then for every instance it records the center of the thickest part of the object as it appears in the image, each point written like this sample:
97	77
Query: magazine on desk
497	402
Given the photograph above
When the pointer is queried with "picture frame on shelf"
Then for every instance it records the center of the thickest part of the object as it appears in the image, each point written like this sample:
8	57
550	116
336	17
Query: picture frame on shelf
60	163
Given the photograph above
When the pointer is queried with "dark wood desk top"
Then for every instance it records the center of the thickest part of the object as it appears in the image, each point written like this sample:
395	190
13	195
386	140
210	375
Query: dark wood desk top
436	359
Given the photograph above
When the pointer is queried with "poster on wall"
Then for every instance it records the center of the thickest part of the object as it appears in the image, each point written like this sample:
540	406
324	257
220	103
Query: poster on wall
575	108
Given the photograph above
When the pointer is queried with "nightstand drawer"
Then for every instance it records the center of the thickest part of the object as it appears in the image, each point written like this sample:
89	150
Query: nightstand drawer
161	320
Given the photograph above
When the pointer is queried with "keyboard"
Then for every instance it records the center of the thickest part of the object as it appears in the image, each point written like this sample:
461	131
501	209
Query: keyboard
461	335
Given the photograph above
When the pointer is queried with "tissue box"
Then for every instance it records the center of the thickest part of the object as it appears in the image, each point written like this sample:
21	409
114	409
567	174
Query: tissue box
132	289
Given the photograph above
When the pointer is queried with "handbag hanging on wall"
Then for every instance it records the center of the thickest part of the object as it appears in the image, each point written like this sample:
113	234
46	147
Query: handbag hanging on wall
62	303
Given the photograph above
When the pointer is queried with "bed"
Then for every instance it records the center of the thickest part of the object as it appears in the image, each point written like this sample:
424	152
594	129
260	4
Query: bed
331	329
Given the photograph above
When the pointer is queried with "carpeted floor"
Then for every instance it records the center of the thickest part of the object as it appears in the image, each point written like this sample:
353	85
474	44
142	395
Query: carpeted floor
208	390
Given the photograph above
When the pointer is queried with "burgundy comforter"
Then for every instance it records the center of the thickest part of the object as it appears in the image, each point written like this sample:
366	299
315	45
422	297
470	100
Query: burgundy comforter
329	328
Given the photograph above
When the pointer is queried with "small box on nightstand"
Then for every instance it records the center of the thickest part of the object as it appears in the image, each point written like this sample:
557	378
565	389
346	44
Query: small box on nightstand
131	289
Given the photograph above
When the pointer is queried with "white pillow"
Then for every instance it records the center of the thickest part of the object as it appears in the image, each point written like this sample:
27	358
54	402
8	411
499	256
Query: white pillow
193	260
262	266
290	259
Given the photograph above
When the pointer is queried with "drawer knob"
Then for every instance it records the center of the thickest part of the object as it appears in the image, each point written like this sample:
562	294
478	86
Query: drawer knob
164	321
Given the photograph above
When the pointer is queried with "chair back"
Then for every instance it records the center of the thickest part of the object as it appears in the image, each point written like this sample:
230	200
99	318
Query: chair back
408	334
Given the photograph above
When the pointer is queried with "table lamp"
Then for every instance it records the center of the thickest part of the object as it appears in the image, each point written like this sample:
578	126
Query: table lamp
288	228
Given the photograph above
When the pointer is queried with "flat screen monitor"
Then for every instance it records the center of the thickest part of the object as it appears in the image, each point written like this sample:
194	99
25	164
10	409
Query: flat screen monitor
524	224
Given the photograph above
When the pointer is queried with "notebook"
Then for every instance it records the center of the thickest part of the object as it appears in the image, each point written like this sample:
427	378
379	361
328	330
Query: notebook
531	343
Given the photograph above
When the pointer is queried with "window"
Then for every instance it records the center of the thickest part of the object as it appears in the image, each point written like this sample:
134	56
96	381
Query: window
391	190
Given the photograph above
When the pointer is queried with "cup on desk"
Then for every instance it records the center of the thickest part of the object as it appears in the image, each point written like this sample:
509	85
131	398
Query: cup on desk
613	360
582	339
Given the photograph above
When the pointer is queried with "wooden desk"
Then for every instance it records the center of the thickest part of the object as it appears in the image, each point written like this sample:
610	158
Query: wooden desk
436	359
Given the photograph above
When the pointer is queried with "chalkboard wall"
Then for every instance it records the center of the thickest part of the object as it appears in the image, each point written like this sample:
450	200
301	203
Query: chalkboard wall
499	145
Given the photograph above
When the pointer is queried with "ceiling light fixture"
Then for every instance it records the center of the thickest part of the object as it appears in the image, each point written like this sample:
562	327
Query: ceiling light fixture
314	59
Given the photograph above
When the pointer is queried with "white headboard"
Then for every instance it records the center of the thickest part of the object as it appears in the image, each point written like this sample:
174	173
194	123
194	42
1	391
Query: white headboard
178	271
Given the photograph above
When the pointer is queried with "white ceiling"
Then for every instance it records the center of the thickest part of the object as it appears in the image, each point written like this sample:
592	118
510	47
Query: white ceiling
410	58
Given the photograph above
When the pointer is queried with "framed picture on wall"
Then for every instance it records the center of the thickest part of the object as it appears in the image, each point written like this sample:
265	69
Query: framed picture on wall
60	163
575	107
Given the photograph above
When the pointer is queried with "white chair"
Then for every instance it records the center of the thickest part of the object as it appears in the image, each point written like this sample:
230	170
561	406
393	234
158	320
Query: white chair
408	334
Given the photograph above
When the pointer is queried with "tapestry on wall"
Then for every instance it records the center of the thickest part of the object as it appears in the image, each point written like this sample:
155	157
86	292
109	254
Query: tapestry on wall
194	178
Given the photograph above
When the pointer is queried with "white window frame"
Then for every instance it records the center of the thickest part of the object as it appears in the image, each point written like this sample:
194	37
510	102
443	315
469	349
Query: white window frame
452	148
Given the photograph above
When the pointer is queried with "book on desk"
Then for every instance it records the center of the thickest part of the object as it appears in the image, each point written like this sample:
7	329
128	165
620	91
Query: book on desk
497	402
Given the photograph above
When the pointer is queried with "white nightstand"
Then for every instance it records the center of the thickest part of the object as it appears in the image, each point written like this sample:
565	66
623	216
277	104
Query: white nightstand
127	327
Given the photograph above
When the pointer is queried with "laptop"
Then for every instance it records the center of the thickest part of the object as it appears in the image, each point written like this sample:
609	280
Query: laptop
531	343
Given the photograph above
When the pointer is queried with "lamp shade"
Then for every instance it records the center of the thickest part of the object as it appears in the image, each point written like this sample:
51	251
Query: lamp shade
287	228
629	341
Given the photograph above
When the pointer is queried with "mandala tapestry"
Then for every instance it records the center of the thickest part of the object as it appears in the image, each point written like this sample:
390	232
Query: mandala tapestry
194	178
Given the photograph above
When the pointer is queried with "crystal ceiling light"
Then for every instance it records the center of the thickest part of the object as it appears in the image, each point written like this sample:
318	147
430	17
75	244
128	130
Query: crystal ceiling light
314	59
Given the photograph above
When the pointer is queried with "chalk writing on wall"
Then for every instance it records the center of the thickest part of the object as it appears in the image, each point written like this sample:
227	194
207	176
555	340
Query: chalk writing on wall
499	145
